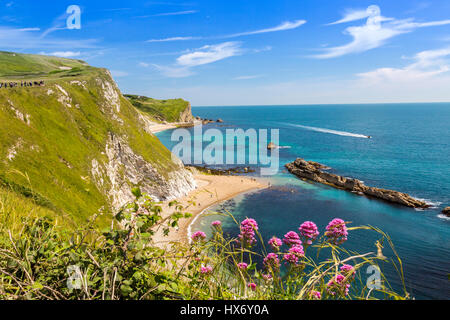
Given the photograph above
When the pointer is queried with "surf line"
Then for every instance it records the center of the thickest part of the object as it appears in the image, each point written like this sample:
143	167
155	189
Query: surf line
336	132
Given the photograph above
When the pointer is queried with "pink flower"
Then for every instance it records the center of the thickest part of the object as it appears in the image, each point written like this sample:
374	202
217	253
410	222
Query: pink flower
309	231
316	295
247	235
271	261
338	285
292	239
267	277
295	253
198	236
337	231
252	286
216	224
348	271
243	266
275	243
205	270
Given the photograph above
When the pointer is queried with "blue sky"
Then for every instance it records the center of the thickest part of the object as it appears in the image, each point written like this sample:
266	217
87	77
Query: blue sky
249	52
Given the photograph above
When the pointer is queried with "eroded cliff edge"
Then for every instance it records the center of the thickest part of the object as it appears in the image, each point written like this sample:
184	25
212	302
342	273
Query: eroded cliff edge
314	171
75	142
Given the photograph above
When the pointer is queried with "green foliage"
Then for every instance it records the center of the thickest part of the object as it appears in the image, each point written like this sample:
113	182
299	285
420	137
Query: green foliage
43	261
159	110
55	144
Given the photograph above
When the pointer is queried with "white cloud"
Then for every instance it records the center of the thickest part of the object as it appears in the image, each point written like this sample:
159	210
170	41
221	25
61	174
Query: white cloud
204	55
426	64
288	25
63	54
249	77
176	13
374	33
30	38
172	39
209	54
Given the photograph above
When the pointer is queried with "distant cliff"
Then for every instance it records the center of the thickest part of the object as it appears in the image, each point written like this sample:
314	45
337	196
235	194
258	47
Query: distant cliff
315	172
172	110
75	142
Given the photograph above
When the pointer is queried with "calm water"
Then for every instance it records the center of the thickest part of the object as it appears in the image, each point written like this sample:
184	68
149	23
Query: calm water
409	152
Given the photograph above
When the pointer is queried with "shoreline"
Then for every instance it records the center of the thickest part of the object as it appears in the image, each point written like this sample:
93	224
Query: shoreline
211	190
159	127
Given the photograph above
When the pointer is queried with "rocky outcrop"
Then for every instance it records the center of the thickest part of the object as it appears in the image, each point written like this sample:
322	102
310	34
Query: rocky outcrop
186	115
271	146
446	211
314	171
125	169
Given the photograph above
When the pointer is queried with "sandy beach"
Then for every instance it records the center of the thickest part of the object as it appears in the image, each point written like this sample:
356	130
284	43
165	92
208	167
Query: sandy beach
158	127
210	191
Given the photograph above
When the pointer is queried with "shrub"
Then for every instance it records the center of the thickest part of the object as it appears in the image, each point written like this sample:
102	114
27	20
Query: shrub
43	261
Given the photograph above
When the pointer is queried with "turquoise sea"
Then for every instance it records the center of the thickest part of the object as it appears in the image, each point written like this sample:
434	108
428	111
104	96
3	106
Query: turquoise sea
409	152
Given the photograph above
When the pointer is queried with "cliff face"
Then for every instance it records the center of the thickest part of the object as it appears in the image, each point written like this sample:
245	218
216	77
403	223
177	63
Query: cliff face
314	171
171	110
77	143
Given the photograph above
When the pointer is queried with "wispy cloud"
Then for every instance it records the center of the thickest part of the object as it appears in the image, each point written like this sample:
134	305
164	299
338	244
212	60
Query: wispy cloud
30	38
173	39
249	77
198	57
426	64
288	25
63	54
209	54
119	73
177	13
374	33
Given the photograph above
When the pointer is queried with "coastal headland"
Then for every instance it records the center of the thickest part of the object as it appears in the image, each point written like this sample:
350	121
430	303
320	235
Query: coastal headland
314	171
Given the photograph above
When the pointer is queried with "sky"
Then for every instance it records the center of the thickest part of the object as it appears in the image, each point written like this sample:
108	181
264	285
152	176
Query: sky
245	52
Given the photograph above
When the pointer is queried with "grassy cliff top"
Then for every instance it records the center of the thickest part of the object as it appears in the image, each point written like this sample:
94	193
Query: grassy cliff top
17	66
160	110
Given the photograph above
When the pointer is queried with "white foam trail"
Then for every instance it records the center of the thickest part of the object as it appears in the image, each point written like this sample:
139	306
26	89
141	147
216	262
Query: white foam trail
433	205
443	216
339	133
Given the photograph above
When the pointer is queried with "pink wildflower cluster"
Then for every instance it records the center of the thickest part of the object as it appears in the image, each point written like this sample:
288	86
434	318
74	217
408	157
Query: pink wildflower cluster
198	236
252	286
316	295
295	253
267	277
248	228
338	285
275	243
271	261
216	224
205	270
337	231
309	231
243	266
292	239
348	271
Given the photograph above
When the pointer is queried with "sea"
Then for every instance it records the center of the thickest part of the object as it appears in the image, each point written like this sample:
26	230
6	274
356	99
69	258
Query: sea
408	151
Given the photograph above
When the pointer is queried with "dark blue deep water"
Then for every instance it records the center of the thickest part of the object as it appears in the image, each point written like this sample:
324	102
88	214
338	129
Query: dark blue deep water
409	152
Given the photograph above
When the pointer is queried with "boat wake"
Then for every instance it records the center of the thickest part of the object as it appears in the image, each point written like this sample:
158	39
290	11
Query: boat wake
336	132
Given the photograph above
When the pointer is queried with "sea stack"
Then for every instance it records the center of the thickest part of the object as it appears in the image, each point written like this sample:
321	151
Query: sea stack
314	171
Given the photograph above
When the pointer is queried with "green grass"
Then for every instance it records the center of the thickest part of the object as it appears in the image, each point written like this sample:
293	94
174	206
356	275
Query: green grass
53	160
159	110
17	66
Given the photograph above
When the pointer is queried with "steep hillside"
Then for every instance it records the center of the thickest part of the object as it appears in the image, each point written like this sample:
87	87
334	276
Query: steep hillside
172	110
76	144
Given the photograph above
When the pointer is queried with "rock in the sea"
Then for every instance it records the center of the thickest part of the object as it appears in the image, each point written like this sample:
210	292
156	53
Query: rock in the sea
446	211
219	121
314	171
272	146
